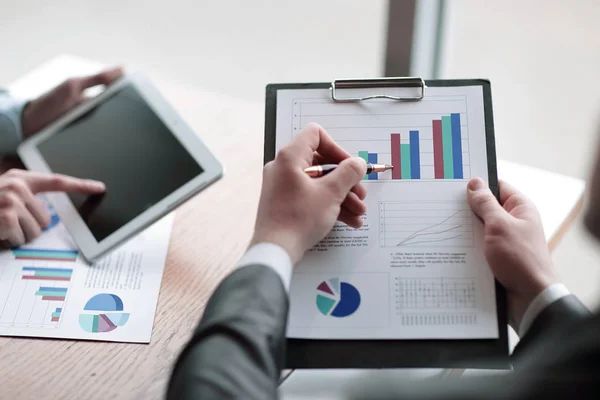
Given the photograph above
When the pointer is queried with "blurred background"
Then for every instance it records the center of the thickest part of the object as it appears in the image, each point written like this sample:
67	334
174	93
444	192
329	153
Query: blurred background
542	57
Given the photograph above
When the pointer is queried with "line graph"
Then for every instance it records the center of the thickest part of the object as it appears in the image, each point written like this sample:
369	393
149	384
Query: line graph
412	224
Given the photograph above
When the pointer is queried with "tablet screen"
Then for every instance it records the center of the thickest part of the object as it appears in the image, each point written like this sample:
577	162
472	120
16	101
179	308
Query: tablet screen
124	144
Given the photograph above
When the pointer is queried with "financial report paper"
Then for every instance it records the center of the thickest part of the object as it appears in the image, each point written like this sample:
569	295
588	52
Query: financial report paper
48	290
416	269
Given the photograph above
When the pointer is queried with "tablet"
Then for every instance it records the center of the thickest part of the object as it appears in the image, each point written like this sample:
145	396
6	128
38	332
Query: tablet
130	138
411	288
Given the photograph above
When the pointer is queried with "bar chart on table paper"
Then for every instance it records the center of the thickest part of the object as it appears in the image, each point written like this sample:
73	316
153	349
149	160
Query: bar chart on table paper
424	224
426	140
23	253
32	296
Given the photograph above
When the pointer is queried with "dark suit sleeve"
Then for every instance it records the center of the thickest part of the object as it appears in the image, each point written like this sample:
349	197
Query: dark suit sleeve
238	348
556	359
10	123
553	319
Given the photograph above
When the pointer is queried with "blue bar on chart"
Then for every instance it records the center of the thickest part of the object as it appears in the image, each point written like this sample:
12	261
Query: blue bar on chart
373	160
456	146
415	161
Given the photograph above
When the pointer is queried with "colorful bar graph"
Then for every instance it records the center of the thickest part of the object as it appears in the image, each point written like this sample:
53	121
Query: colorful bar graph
365	156
456	146
56	314
395	151
405	156
372	158
406	147
52	293
447	144
46	274
415	160
45	254
438	149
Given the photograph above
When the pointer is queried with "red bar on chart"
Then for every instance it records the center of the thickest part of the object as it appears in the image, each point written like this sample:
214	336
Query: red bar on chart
438	150
54	319
45	278
53	298
397	170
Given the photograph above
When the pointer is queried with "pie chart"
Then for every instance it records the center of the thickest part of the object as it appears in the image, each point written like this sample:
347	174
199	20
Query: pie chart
337	299
102	313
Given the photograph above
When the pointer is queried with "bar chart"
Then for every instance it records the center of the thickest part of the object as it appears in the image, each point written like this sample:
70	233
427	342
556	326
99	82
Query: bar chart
46	274
427	140
23	253
33	296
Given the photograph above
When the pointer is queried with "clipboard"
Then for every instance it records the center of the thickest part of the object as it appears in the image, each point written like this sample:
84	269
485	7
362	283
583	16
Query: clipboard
412	353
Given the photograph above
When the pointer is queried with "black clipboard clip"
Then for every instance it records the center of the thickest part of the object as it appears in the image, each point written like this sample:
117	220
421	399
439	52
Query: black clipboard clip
405	82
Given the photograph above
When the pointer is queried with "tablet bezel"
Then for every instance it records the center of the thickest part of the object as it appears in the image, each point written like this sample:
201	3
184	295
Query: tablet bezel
89	247
401	353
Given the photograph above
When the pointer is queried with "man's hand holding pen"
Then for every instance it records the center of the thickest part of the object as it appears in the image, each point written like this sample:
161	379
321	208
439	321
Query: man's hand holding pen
289	198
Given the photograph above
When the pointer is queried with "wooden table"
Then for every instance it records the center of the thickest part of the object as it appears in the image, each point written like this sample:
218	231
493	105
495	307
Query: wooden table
211	232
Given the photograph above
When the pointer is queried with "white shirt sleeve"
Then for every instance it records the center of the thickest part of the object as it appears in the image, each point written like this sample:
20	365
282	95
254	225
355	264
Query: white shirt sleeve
539	304
11	133
272	256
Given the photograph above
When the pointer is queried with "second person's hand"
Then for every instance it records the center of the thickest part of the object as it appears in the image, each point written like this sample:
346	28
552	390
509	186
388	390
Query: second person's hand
22	215
296	211
514	244
52	105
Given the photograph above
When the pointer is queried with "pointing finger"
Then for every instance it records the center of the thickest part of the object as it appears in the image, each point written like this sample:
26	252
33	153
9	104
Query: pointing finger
39	182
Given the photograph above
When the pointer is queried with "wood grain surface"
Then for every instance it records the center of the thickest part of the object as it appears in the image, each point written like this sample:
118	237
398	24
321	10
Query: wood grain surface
211	232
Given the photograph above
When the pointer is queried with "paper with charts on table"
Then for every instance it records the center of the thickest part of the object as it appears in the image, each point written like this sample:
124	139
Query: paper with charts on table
416	269
47	290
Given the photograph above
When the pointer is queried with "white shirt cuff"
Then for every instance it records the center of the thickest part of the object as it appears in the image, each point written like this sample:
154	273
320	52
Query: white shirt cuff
541	301
272	256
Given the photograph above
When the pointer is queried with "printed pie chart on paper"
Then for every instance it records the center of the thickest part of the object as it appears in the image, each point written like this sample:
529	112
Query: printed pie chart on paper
337	299
103	313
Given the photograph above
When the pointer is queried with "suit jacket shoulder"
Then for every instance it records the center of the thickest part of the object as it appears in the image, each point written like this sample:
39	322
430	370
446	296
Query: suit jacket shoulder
237	351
